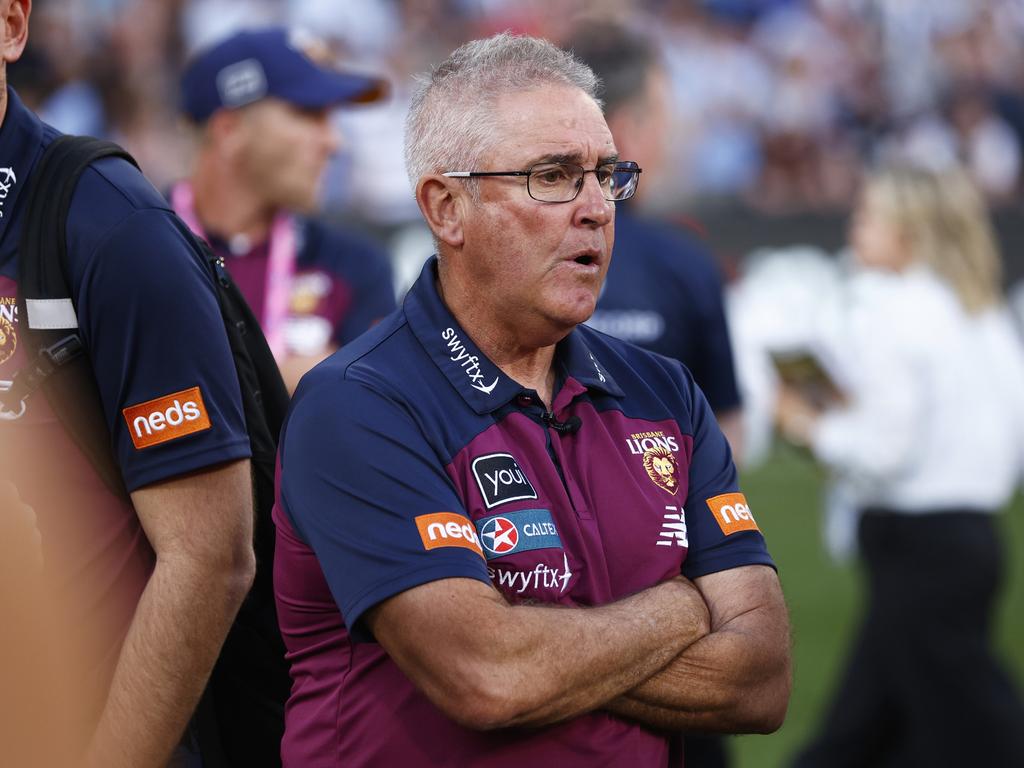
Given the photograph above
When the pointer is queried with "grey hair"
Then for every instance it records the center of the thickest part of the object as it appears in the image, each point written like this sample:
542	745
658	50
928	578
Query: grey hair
451	122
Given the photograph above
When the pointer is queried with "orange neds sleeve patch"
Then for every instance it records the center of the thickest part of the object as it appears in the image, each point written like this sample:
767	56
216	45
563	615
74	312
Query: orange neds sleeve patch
732	513
448	529
167	418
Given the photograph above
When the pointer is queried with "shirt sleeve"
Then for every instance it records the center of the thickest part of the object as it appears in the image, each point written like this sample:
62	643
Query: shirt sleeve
150	320
721	528
367	492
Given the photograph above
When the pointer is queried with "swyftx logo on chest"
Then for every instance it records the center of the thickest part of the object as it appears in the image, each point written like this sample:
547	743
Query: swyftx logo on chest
501	480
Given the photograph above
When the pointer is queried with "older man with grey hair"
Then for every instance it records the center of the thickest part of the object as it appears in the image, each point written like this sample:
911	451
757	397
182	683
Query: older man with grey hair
505	538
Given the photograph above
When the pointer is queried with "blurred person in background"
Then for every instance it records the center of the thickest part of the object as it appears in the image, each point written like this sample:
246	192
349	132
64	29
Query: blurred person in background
663	291
150	565
931	445
262	106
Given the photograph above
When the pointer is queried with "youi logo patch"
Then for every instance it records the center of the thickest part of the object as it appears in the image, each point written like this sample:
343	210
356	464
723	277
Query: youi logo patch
469	363
501	480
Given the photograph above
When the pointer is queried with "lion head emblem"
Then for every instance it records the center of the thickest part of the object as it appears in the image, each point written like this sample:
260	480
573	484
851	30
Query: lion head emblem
662	467
8	340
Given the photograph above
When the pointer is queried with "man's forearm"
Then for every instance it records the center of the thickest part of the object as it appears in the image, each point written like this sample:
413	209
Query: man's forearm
615	649
533	665
734	680
719	684
179	625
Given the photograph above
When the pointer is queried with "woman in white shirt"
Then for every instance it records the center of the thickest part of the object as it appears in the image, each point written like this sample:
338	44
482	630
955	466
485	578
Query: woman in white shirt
929	443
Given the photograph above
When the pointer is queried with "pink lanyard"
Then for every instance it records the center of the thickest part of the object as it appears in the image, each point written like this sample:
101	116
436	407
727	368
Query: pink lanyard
280	267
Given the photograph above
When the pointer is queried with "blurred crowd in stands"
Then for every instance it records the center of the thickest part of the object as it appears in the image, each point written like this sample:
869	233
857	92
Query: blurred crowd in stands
776	103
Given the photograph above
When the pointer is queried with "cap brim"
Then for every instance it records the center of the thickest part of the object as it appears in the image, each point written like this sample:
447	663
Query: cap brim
326	88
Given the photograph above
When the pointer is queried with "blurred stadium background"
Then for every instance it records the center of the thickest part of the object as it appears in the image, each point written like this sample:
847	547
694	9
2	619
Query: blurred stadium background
777	107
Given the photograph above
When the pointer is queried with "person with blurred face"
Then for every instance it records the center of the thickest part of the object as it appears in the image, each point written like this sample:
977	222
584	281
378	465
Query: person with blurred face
480	458
262	101
147	568
930	444
664	290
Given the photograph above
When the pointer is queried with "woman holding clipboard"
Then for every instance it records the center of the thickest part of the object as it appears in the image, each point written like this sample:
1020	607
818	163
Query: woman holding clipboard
929	442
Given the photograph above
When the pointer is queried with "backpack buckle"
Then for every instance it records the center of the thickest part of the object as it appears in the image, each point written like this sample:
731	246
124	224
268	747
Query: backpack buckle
13	393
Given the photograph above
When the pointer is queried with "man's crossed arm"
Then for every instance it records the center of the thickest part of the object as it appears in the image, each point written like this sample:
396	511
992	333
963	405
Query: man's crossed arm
711	657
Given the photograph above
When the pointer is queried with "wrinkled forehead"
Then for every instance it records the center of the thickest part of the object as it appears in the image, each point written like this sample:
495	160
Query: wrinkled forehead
550	123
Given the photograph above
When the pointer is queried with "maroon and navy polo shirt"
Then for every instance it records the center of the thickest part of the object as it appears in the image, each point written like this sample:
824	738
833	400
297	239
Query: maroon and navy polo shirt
409	457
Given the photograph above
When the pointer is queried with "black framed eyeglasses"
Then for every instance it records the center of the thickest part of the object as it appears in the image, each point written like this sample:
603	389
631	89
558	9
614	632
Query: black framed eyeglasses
562	182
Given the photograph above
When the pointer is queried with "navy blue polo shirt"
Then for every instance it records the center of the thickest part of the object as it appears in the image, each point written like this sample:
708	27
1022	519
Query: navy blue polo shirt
664	292
149	320
409	457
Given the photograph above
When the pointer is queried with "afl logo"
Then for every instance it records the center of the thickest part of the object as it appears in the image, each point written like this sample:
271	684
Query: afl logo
499	535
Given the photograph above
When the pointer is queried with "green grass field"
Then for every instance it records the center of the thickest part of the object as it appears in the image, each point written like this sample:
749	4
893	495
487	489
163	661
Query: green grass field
825	599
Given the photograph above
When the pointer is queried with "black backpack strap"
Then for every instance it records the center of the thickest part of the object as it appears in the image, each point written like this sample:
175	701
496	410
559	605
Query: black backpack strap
49	324
250	683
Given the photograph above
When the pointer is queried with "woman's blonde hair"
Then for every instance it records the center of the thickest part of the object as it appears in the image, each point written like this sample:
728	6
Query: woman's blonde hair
944	222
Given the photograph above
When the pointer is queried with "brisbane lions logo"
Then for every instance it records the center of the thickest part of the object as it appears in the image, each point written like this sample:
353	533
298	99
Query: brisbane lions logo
8	340
662	467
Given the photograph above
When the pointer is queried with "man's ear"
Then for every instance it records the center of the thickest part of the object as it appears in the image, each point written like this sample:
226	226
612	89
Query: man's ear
442	203
15	30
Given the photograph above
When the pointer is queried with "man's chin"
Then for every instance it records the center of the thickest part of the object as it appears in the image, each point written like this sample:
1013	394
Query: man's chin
577	312
302	202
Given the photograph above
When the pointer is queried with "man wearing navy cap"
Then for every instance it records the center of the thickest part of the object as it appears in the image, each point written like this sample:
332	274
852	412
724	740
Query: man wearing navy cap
505	539
262	106
149	580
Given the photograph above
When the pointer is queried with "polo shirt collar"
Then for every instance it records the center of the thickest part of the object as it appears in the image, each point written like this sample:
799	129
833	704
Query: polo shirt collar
20	146
483	385
581	364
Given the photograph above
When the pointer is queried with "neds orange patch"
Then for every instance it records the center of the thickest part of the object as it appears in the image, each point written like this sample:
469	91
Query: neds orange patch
448	529
167	418
732	513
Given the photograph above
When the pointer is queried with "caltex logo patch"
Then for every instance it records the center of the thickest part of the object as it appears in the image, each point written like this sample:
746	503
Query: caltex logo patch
521	531
499	535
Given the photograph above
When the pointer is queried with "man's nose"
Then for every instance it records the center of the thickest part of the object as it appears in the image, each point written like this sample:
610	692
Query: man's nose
592	210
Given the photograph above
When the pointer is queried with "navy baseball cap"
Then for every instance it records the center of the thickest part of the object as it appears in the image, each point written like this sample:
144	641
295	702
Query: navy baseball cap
254	64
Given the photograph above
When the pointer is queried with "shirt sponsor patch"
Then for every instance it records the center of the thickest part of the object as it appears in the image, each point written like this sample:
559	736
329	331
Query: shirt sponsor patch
469	363
501	480
732	513
519	531
447	529
167	418
541	577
